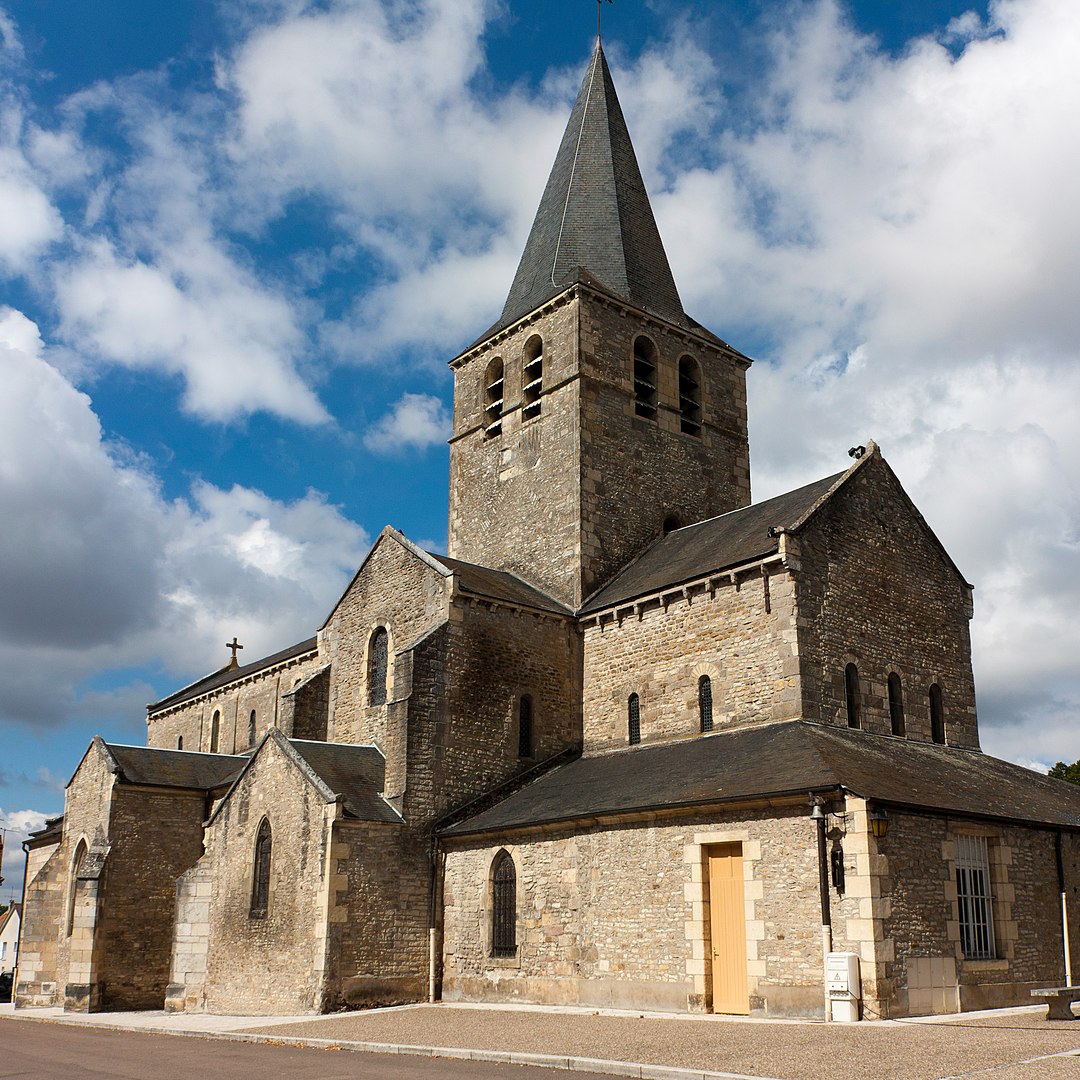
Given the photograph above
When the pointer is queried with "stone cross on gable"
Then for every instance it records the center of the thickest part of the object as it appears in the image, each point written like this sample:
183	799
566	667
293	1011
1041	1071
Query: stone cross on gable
234	645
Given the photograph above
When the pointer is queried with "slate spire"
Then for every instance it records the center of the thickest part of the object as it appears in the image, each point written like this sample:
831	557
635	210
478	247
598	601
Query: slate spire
594	219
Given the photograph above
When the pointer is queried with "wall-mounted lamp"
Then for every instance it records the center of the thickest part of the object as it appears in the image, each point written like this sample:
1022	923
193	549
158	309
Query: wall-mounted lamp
817	813
879	823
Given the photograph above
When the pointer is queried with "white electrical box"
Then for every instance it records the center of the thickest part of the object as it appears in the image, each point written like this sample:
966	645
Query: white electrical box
843	985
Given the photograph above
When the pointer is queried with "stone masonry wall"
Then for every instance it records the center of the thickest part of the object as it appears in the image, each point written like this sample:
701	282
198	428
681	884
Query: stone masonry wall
876	591
741	633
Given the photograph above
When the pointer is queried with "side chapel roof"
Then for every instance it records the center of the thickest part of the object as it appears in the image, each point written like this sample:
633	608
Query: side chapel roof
173	768
355	773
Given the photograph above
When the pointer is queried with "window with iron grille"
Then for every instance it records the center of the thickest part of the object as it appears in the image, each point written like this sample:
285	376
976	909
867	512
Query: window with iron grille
704	698
896	704
854	698
504	906
525	727
260	878
377	659
633	712
937	715
974	899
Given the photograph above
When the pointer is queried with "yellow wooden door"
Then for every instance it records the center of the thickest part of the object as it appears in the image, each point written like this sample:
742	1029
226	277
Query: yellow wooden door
727	924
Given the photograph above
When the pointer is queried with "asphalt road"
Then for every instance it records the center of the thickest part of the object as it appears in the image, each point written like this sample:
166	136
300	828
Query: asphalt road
61	1052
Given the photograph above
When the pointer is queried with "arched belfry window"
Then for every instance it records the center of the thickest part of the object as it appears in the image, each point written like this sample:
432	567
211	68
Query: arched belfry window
689	396
76	866
533	378
633	719
493	398
215	732
853	695
704	697
260	877
645	378
896	704
378	657
525	727
251	728
503	906
937	715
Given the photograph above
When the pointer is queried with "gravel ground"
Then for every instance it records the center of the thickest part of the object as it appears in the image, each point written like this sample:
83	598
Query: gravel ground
997	1046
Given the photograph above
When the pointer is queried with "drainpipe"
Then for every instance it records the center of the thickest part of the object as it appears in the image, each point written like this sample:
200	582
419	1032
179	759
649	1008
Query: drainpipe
819	816
433	920
1064	909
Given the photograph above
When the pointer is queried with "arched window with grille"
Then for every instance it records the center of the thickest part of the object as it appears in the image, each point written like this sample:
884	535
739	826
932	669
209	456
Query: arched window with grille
633	719
525	727
689	396
260	877
645	378
937	715
503	906
493	398
76	866
215	732
896	704
251	728
704	698
853	696
532	378
378	657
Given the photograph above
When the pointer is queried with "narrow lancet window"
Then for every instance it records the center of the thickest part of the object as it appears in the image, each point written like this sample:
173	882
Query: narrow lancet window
896	704
633	713
937	715
854	697
704	697
533	378
504	906
76	866
689	396
251	728
179	742
260	879
377	665
215	732
645	378
493	398
525	727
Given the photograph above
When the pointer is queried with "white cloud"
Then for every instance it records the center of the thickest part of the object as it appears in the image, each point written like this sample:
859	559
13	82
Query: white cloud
416	421
28	220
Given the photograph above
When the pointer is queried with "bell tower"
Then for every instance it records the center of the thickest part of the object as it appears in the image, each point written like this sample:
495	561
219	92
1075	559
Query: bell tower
595	414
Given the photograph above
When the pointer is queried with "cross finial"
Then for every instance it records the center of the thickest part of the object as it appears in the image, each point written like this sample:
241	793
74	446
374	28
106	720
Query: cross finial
599	7
234	645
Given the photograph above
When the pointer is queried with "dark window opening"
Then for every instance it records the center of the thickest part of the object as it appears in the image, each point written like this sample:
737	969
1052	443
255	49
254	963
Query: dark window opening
534	378
896	704
260	883
215	732
973	898
378	657
644	378
504	906
180	742
937	715
251	728
671	523
633	710
525	727
493	398
854	698
704	697
689	396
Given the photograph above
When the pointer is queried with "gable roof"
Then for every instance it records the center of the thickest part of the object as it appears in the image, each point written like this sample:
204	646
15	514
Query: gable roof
789	758
594	218
500	585
173	768
14	911
355	773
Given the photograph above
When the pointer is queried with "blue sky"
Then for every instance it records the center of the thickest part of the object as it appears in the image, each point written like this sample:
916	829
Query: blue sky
239	242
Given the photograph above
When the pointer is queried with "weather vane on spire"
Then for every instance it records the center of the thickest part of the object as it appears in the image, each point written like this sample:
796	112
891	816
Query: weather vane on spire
599	8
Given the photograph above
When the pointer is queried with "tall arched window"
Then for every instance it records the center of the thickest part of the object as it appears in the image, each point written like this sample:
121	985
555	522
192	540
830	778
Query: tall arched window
896	704
633	719
704	700
937	715
377	662
215	732
260	877
525	727
854	697
493	398
689	396
76	866
533	381
251	728
503	906
644	377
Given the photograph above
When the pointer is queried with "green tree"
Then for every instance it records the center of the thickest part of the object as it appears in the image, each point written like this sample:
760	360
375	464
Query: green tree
1061	771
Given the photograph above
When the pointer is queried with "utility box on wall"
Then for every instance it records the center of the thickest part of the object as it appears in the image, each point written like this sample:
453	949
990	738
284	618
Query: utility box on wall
843	985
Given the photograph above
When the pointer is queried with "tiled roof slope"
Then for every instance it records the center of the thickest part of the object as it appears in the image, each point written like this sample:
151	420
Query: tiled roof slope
174	768
356	773
595	216
230	674
784	759
500	585
716	544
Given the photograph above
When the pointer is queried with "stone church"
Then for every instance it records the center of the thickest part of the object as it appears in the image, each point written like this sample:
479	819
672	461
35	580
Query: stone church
636	741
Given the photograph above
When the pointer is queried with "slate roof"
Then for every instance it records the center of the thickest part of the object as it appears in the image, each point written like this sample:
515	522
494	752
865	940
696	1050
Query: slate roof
595	220
716	544
174	768
790	758
356	773
500	585
230	674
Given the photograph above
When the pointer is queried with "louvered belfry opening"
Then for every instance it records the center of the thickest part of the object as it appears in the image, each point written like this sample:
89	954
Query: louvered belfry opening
645	378
533	378
494	396
689	396
504	907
